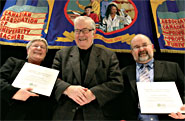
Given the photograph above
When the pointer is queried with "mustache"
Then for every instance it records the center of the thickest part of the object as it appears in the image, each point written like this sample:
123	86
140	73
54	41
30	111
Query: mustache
82	38
143	52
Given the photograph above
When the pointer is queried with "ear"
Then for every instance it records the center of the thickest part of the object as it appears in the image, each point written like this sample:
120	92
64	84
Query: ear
94	32
131	52
27	51
152	46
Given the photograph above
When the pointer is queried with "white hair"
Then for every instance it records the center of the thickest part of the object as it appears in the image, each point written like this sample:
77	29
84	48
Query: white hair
38	39
85	18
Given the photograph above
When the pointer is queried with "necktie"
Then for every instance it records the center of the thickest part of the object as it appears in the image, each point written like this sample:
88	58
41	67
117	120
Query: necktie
144	74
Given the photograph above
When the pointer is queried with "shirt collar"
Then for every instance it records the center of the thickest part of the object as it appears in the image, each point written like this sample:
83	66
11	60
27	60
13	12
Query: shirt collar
150	64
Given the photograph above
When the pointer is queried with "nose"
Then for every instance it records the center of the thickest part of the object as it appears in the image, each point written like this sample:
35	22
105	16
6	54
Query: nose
81	33
38	47
141	48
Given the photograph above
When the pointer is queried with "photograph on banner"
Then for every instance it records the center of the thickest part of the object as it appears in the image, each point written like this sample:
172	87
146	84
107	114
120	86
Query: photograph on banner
109	15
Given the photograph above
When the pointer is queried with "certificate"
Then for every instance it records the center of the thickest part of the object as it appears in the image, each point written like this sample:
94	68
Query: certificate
158	97
40	79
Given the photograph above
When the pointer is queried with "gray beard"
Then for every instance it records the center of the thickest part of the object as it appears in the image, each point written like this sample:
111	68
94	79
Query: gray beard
142	59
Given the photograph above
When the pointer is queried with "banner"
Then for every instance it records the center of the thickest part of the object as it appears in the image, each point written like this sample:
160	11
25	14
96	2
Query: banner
169	17
53	20
22	21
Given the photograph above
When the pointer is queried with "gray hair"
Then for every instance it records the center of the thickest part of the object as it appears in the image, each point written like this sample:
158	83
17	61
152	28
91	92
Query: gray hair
38	39
85	18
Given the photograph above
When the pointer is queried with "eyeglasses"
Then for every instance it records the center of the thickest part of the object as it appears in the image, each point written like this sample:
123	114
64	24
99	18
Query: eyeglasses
40	46
84	31
138	47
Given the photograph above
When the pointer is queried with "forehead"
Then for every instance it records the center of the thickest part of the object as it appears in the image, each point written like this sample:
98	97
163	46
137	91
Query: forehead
140	40
82	24
38	42
113	7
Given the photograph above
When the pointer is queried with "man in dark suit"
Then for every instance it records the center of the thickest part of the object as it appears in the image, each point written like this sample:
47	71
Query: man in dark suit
159	71
89	76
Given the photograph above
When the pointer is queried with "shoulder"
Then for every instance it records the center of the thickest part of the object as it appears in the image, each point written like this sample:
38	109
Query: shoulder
104	51
166	63
14	60
12	63
65	52
66	49
128	68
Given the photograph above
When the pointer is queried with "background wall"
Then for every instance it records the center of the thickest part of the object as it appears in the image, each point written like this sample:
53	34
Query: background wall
124	58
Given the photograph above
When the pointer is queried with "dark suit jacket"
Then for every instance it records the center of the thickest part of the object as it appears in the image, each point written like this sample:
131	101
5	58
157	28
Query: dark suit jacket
164	71
35	108
103	78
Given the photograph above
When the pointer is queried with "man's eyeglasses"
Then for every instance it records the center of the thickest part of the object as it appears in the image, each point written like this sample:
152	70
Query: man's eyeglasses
84	31
40	46
138	47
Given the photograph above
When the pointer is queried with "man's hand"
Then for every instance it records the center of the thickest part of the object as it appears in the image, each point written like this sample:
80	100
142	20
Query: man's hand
178	115
23	94
79	94
89	96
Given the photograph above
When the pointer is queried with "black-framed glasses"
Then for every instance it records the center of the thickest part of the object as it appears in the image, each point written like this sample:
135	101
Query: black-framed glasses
38	46
84	31
138	47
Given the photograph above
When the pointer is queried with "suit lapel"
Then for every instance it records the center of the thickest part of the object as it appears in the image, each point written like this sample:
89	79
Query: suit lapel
75	63
92	65
158	71
132	77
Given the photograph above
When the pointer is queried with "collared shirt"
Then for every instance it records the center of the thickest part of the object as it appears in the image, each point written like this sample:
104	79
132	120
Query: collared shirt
115	23
150	69
151	74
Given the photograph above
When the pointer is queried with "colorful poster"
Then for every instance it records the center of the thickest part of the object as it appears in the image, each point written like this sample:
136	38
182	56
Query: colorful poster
21	22
169	17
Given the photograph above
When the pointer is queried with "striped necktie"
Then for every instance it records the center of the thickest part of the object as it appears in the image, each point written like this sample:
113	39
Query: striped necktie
144	74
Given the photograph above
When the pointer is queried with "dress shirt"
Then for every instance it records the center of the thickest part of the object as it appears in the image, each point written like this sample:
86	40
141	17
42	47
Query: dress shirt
151	73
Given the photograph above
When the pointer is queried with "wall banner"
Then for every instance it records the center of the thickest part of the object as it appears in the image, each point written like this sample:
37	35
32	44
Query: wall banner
23	20
169	17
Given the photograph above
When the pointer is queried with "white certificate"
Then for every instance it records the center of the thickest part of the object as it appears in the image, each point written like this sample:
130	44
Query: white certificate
40	79
159	97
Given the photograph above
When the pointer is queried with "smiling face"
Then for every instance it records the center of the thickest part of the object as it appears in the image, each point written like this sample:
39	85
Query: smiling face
36	52
84	38
142	49
113	10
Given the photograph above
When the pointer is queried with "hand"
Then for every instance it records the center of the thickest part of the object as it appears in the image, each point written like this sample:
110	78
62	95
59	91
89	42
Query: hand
89	96
178	115
77	94
23	94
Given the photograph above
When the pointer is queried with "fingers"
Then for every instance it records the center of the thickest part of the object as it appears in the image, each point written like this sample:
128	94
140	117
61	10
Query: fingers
80	97
79	94
31	93
183	108
29	89
173	115
177	115
23	94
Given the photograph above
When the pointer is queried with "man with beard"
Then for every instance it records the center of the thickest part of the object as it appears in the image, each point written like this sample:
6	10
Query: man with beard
89	77
142	50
